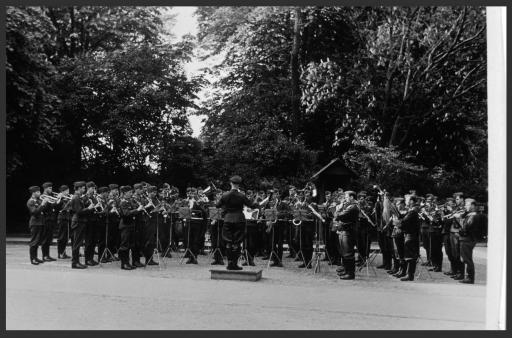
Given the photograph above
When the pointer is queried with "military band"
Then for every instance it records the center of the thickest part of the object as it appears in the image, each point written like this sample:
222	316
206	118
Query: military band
131	223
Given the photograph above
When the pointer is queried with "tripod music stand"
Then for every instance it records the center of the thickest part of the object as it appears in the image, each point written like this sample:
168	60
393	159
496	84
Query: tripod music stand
370	257
271	216
421	267
186	214
251	216
169	247
106	250
299	215
155	249
317	254
215	214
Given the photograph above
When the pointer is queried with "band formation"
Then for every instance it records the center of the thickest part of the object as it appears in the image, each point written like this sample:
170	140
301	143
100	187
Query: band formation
129	223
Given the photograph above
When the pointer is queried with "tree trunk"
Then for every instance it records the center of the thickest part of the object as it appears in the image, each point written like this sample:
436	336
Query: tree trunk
294	64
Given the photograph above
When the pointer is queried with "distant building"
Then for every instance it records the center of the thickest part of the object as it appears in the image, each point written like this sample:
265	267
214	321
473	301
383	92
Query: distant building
334	175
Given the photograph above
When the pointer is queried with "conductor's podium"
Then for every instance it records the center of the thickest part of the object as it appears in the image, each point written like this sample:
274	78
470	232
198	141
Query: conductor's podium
244	275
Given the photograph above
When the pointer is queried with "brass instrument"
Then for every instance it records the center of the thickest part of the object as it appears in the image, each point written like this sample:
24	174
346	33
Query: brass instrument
452	215
365	215
49	199
114	208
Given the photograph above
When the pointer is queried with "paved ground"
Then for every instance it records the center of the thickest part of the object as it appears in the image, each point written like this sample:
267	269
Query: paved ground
178	296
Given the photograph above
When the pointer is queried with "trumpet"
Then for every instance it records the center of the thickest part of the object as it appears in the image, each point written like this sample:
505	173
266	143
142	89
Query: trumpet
143	209
61	196
49	199
452	215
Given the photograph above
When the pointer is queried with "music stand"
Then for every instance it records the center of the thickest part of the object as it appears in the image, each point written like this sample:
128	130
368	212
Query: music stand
317	254
271	216
106	250
422	267
299	215
155	249
370	257
215	214
322	210
186	214
249	215
169	247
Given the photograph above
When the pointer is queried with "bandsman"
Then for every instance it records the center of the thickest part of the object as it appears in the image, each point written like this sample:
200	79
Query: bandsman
36	208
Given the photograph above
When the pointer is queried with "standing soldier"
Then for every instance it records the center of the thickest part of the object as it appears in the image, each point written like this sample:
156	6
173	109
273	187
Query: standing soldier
382	216
445	231
194	235
436	238
128	211
155	217
346	226
63	223
36	208
411	230
468	237
398	236
113	215
232	203
457	219
363	227
50	221
91	228
101	229
79	222
277	238
140	220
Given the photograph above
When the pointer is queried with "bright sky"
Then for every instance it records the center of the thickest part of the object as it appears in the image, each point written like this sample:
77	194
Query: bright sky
186	23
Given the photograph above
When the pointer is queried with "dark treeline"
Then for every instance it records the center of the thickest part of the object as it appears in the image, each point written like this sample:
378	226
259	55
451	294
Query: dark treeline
98	93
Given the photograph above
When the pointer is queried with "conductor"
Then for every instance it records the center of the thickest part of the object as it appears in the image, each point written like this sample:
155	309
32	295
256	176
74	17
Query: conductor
233	231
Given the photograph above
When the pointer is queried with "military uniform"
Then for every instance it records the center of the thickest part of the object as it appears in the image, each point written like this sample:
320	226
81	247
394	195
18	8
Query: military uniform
113	218
128	211
331	239
216	241
150	228
468	237
436	239
140	223
36	210
63	224
411	230
398	240
78	225
233	230
194	230
362	229
456	224
91	227
385	241
50	223
347	223
283	217
101	229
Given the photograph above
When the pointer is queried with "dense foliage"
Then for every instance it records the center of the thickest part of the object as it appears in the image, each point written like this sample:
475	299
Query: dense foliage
399	93
94	93
100	92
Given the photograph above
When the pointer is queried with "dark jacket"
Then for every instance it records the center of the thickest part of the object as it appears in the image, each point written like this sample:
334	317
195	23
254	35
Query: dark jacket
411	223
232	204
80	212
470	228
349	217
128	212
36	211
